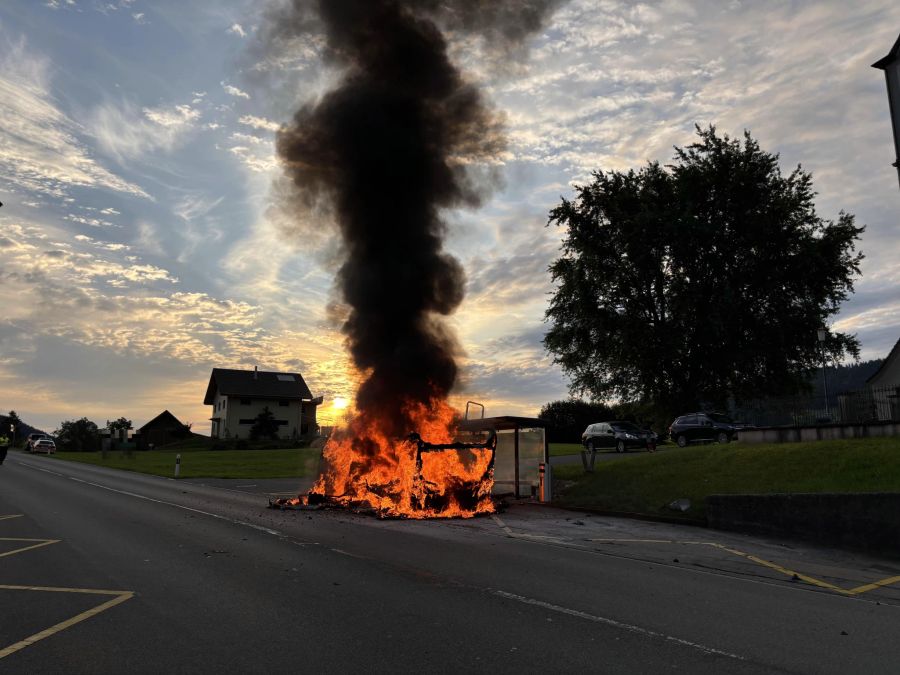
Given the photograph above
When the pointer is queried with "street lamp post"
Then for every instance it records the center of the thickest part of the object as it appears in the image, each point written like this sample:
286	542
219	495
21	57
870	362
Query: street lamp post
890	64
823	336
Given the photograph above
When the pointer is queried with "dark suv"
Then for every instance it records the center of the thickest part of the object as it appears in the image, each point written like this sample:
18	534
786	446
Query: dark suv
618	435
702	427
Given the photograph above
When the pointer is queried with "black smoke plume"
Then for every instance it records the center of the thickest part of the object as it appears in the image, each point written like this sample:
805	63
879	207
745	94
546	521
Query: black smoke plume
388	149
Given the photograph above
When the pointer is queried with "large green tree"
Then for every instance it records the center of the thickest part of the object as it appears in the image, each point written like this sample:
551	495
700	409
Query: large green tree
78	436
688	284
566	420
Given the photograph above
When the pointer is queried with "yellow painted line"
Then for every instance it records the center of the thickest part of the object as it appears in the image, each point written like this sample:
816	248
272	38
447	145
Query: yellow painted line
121	596
785	571
16	515
765	563
653	541
877	584
42	542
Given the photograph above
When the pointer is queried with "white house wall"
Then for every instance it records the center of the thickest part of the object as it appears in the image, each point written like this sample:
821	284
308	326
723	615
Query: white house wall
235	411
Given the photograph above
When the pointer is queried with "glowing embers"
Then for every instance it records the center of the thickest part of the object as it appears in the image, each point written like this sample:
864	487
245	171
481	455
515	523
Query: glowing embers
364	470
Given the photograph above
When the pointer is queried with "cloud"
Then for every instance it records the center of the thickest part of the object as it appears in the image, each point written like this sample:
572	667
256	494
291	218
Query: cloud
40	147
126	132
259	122
139	17
237	29
234	91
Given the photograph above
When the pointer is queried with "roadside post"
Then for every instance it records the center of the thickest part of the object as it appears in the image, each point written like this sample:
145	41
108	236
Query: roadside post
587	460
545	482
177	464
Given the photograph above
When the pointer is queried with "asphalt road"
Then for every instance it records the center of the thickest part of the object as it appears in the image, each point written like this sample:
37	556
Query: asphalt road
111	572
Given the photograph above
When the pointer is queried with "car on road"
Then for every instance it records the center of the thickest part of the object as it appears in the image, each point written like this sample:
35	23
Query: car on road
32	439
704	427
617	435
44	445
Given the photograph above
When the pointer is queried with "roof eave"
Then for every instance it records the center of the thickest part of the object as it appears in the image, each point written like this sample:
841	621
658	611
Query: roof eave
892	56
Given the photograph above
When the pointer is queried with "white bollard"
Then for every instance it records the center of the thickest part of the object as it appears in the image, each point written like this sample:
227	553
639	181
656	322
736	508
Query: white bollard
177	464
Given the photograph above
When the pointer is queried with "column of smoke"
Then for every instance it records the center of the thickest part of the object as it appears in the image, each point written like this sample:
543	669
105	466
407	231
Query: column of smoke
389	148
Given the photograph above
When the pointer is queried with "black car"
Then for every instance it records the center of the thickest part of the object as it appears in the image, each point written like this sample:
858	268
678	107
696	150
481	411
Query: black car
618	435
704	427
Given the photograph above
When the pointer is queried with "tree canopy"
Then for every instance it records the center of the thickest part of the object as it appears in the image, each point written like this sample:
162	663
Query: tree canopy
568	419
78	435
264	425
122	424
692	283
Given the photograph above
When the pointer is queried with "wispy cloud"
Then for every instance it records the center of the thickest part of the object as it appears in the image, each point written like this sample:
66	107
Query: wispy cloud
234	91
40	147
237	29
259	122
127	132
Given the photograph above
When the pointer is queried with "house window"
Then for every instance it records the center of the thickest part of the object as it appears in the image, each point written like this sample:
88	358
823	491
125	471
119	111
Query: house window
283	404
245	401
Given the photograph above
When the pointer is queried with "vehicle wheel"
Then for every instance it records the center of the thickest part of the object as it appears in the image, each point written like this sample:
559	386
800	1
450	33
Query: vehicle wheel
620	446
590	446
722	437
681	440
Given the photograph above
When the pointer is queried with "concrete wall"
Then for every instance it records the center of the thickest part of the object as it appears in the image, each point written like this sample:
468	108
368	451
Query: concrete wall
868	521
818	433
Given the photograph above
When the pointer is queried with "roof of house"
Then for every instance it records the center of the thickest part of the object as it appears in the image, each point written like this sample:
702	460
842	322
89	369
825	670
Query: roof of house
892	56
893	354
165	417
255	384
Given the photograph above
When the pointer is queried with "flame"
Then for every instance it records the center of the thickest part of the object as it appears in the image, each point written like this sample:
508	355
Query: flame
366	469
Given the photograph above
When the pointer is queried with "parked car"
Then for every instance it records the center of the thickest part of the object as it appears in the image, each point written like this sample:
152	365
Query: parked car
44	445
703	427
618	435
32	439
4	446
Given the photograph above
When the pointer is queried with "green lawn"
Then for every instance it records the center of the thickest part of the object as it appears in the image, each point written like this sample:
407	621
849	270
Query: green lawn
557	449
646	483
208	464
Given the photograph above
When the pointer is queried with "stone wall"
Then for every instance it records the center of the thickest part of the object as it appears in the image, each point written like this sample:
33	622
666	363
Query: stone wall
824	432
868	521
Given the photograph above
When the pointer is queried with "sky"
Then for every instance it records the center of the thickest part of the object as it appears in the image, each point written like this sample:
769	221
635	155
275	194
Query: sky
142	237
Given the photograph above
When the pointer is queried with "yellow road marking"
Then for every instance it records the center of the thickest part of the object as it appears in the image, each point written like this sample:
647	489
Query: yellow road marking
42	542
785	571
15	515
655	541
877	584
765	563
121	596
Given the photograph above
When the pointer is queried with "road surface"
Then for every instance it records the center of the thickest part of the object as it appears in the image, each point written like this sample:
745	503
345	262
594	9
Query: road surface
112	572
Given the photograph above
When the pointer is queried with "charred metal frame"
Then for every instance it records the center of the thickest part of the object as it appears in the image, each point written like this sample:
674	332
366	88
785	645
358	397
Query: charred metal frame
424	446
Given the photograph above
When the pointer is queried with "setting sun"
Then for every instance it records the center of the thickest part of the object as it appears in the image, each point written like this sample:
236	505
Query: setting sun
339	403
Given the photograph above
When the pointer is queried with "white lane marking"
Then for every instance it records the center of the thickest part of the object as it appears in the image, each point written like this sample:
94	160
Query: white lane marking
235	521
524	535
179	506
502	525
616	624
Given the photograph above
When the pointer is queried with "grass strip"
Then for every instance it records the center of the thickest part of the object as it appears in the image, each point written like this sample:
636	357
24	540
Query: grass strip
291	463
647	483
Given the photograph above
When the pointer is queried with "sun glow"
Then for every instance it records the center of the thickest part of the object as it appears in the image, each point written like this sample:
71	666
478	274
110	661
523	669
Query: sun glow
340	403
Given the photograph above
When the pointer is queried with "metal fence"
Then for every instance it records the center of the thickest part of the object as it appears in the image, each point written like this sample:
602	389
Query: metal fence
871	404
